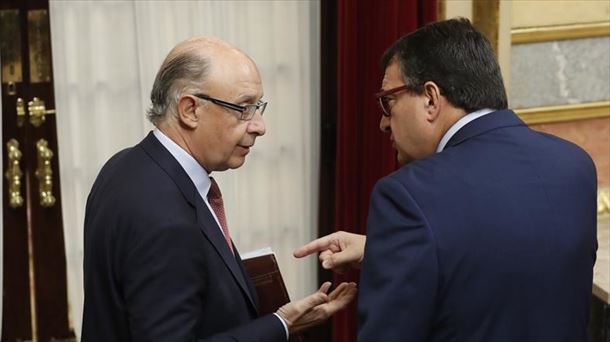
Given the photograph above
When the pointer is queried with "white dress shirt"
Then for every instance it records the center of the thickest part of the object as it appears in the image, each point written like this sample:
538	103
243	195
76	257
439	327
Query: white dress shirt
196	172
459	124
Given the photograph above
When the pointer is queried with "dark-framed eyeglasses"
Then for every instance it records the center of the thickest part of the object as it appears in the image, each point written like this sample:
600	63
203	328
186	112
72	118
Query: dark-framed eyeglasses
384	100
247	111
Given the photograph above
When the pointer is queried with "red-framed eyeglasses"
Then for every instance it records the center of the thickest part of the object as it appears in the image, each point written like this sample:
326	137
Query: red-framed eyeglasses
383	99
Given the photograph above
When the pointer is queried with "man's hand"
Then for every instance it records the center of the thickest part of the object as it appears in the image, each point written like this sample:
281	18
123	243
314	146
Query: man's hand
316	308
339	251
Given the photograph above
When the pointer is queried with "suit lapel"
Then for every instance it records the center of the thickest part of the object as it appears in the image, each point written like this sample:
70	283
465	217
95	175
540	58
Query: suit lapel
212	231
247	278
170	165
206	221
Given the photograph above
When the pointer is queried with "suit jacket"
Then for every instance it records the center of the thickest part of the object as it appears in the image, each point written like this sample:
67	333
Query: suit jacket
493	239
157	267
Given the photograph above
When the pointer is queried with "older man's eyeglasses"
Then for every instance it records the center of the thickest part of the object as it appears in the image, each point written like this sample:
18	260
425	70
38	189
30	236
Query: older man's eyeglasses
384	99
246	111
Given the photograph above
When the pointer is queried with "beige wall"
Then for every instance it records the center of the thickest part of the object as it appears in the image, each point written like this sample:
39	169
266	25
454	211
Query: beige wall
534	13
458	8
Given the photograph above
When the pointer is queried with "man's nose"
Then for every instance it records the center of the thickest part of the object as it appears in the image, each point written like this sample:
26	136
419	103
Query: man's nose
257	124
384	124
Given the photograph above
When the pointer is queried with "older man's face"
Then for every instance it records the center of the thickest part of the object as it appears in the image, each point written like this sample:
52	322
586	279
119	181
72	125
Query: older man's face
222	141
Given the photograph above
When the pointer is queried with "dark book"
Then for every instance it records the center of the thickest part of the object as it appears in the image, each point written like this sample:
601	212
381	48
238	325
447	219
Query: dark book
264	272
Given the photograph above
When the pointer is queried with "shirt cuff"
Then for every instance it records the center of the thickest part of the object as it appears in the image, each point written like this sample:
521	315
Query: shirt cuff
284	324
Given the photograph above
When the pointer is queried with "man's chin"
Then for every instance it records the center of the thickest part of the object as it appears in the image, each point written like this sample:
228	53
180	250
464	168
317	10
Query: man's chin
236	162
403	159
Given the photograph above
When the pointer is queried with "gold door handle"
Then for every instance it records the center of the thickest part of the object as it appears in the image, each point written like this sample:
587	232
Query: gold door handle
13	174
44	173
38	111
20	112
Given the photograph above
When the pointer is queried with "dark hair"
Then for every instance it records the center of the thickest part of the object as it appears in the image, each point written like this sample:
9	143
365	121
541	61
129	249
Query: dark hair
185	72
455	56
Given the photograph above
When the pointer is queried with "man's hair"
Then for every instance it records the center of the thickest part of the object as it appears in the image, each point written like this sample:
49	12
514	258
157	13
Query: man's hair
455	56
184	72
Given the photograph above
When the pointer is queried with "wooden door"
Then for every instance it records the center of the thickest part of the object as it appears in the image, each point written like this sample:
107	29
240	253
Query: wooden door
35	305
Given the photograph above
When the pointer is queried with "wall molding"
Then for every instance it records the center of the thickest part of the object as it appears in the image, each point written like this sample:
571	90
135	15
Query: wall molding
441	10
559	32
486	18
570	112
603	201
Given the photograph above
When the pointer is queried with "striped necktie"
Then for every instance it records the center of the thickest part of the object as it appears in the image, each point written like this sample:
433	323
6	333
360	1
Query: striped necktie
215	200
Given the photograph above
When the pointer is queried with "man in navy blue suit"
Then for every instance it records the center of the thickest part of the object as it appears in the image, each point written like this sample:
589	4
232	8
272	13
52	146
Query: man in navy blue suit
159	261
488	232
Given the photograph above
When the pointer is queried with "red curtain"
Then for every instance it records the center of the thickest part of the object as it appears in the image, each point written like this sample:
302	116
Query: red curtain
365	29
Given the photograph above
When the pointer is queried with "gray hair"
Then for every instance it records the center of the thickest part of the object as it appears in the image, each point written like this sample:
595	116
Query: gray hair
185	72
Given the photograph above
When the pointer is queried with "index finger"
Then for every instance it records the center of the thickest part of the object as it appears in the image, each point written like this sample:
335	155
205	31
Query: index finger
317	245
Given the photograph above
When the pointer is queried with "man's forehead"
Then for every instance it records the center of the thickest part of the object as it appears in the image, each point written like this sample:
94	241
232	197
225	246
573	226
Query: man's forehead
392	73
233	63
237	81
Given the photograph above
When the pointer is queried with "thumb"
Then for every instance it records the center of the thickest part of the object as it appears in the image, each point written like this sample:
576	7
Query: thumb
337	260
293	311
317	298
308	303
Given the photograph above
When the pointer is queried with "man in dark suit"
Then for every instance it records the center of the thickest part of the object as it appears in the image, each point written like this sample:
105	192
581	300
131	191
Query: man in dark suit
488	233
159	261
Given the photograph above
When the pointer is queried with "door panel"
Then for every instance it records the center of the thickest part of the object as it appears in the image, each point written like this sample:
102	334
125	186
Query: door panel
16	314
35	305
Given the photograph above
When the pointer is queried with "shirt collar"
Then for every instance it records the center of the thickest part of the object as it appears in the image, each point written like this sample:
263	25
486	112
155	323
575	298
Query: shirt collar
196	172
459	124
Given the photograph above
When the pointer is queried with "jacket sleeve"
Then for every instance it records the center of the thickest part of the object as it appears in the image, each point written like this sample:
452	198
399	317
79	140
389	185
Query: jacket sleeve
399	276
161	275
266	328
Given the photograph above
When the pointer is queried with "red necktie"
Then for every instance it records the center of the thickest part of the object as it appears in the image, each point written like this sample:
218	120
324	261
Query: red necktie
215	200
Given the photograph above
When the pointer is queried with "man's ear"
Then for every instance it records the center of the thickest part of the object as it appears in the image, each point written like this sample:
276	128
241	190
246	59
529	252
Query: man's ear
432	95
187	111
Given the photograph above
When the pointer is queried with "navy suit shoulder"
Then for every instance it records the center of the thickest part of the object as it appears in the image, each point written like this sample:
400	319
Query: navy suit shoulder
151	272
501	229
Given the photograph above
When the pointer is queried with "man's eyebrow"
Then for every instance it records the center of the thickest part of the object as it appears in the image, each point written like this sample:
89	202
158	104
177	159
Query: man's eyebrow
247	98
